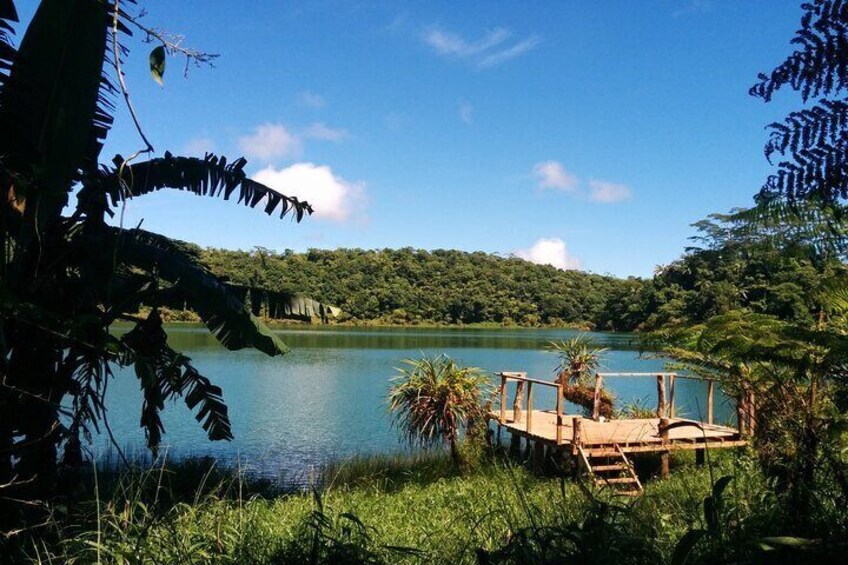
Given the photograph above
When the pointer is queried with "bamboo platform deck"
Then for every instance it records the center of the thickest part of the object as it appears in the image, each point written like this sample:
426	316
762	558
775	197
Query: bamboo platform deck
595	438
631	435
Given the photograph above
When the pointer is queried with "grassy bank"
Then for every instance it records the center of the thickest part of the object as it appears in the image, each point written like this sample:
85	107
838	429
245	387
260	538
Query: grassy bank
393	509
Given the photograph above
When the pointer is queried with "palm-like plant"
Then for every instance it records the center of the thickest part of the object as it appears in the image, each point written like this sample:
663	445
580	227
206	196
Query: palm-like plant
434	399
579	358
65	279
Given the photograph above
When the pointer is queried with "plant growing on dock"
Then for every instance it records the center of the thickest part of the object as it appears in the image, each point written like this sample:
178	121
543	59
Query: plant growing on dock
579	358
433	400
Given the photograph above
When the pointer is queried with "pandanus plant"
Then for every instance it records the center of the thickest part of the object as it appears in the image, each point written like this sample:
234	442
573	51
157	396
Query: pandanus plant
433	399
65	277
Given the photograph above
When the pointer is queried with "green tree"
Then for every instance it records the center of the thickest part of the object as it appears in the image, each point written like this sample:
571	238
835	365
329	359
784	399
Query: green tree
64	279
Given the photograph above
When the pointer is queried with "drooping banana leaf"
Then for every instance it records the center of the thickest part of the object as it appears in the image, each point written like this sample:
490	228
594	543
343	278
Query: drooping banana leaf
164	375
50	99
210	176
8	14
224	314
283	305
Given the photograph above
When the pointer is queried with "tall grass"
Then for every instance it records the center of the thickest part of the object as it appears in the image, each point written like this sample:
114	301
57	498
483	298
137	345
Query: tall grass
419	509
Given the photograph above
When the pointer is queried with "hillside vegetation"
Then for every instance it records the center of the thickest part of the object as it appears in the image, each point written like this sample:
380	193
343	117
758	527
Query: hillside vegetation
408	286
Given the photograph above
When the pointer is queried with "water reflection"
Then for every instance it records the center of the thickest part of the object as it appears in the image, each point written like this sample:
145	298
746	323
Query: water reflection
187	336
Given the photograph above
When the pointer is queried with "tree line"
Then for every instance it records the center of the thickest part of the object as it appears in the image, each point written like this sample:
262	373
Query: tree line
727	270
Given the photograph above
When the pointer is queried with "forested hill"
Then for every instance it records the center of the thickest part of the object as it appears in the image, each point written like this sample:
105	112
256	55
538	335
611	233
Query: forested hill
408	286
413	286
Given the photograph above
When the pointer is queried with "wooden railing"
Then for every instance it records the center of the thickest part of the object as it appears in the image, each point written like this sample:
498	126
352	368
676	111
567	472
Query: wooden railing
521	380
665	407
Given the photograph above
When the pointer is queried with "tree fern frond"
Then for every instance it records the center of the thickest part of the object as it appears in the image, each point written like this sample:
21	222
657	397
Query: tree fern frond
819	65
809	224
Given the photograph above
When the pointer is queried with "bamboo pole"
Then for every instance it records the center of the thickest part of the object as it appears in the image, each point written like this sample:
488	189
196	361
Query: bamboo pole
529	407
710	390
661	396
741	413
596	401
503	398
577	433
516	404
752	412
664	457
671	384
559	415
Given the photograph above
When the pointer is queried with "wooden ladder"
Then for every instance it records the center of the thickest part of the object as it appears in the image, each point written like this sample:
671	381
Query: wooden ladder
610	468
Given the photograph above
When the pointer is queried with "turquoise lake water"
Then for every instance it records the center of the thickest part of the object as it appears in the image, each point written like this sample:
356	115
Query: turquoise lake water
325	399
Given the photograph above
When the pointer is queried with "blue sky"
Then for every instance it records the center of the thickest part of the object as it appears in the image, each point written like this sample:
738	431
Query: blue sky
590	134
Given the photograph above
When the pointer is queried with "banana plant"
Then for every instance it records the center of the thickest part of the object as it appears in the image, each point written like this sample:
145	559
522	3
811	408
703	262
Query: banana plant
67	274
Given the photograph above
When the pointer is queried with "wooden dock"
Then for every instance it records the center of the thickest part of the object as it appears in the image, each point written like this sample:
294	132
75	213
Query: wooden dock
600	447
631	435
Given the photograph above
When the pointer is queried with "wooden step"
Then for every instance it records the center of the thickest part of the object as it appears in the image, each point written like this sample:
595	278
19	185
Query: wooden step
629	492
615	461
613	467
597	453
617	480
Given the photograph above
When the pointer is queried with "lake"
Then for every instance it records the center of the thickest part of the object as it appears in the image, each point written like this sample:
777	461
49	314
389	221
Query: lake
325	399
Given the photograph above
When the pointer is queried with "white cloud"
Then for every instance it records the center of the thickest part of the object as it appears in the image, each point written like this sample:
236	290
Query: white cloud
516	50
466	112
270	141
312	100
448	43
332	197
490	50
607	192
319	130
549	251
551	174
199	146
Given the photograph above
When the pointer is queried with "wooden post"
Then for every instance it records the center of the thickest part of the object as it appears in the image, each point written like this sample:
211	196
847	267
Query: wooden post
529	407
741	413
503	398
664	470
577	433
671	382
559	415
699	457
515	445
516	404
710	390
660	396
539	454
752	412
596	401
